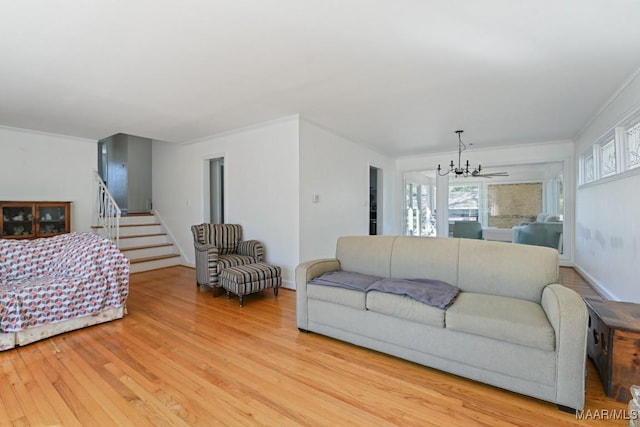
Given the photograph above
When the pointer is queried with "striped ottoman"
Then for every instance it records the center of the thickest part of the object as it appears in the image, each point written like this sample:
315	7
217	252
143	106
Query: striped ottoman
250	278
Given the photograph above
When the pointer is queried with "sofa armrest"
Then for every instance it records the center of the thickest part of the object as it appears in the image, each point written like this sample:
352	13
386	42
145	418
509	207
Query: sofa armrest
252	248
567	313
305	272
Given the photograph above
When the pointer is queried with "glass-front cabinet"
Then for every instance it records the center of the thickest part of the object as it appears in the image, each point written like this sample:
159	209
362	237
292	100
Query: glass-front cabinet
17	220
29	220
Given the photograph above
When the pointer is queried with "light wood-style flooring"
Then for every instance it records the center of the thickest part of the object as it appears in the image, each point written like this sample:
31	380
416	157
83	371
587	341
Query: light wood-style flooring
181	357
571	279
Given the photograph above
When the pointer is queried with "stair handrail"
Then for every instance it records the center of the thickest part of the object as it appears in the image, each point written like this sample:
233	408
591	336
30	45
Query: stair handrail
109	212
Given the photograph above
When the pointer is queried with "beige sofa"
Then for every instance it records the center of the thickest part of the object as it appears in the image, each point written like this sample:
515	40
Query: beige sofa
511	325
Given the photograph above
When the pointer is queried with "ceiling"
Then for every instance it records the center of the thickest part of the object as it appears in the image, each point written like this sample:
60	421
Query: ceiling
397	75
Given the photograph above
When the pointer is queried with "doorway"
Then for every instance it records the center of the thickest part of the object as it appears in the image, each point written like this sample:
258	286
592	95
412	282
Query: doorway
216	190
124	164
375	200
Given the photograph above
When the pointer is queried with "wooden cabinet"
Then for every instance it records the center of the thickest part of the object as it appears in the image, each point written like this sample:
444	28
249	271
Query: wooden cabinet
29	220
613	344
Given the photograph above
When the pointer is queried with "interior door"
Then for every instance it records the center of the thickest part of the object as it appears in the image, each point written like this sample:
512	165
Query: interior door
216	189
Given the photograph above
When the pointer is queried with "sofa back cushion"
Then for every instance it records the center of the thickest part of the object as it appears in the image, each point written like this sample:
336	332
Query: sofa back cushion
494	268
66	255
365	254
539	234
542	217
506	269
425	258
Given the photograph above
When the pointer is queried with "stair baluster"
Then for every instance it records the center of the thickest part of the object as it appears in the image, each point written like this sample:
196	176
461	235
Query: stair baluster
108	212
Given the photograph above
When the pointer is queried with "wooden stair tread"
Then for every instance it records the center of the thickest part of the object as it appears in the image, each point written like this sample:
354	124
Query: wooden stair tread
158	245
143	235
153	258
148	224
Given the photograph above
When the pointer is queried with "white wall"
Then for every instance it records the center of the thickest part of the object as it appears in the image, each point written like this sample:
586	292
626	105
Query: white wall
608	213
495	158
45	167
261	187
337	169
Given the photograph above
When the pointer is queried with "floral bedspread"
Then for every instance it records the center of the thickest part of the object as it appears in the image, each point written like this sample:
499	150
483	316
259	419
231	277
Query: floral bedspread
58	278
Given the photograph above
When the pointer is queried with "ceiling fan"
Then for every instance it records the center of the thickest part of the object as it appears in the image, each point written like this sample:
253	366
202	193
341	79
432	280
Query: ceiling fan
464	171
476	173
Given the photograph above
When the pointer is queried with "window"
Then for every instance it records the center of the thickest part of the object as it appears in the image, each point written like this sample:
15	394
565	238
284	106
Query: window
588	174
615	153
633	146
497	204
608	158
464	202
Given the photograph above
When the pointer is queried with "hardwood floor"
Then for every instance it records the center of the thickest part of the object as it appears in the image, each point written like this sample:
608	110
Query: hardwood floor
571	279
181	357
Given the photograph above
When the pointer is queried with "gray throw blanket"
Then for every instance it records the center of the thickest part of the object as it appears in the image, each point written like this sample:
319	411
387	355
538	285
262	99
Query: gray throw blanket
435	293
346	279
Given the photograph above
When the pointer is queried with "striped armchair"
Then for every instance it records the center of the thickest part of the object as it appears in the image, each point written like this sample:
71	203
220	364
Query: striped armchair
218	246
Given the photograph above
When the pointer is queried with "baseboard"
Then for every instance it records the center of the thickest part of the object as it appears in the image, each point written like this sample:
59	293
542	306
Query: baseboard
596	285
288	284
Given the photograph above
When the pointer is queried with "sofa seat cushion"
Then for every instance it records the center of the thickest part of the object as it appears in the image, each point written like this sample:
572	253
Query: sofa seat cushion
502	318
405	307
342	296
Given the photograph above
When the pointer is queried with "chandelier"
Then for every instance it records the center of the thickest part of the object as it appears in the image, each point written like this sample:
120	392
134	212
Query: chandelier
459	170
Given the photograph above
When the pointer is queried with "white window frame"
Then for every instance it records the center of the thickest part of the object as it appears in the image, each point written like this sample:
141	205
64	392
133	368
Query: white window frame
587	167
607	159
632	153
614	145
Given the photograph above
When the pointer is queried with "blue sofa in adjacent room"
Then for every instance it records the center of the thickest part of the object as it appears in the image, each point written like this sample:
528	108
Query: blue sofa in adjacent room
546	231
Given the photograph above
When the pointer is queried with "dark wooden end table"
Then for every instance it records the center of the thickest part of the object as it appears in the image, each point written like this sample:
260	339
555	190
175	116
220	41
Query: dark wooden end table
614	345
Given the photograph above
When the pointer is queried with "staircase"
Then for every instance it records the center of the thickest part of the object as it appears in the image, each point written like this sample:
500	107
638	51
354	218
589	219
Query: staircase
145	243
140	237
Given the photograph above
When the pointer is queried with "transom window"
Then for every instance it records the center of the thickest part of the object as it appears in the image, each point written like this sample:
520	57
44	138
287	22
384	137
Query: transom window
587	168
633	146
615	154
608	158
